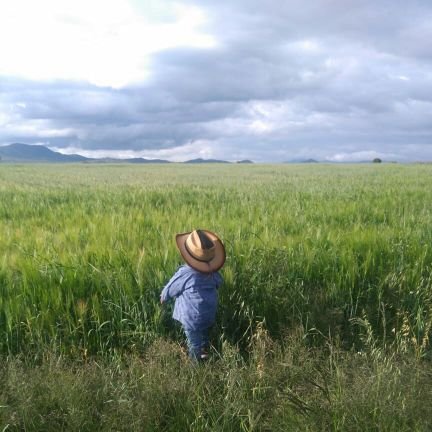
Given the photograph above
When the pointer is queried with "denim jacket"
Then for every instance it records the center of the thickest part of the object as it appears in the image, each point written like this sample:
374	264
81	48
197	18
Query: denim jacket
195	295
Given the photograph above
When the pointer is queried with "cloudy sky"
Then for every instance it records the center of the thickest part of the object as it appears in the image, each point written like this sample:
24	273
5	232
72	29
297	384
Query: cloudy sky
272	80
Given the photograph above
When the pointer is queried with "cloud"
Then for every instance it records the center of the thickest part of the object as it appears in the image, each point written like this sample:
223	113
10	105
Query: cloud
361	156
107	43
268	81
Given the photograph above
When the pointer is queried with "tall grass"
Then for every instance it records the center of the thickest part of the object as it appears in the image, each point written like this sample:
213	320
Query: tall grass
85	251
324	320
284	386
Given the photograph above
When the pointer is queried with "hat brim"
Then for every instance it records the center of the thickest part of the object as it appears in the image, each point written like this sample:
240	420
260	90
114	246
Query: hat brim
206	267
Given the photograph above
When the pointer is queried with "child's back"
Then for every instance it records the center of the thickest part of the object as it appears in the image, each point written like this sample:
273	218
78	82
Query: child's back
195	296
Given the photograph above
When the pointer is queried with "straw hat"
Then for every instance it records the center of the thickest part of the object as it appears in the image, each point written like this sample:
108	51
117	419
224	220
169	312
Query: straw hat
202	250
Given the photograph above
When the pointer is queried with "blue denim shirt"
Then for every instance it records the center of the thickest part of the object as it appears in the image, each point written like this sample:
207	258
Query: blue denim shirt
195	296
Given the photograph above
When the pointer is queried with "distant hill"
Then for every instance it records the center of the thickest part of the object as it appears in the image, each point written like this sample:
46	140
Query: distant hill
142	160
199	161
130	160
302	161
245	161
35	153
38	153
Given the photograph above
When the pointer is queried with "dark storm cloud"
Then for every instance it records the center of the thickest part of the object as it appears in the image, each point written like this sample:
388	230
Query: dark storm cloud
388	25
334	79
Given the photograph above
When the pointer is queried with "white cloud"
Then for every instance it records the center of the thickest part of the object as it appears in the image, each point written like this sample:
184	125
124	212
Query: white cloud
4	118
38	129
305	46
192	150
361	156
104	42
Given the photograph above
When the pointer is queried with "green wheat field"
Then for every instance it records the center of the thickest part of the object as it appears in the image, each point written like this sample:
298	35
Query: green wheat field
324	319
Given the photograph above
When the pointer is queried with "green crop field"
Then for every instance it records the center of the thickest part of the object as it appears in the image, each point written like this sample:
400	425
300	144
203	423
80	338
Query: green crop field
324	319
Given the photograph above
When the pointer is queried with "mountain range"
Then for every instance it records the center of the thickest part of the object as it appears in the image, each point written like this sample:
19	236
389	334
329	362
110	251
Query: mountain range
35	153
18	152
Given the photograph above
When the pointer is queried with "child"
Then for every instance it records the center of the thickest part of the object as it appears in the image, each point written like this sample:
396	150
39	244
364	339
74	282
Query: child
194	287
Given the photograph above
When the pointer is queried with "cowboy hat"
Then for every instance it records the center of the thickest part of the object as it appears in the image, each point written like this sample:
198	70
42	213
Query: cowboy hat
202	250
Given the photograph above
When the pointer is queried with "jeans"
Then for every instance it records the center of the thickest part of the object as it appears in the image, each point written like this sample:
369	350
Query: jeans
197	340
